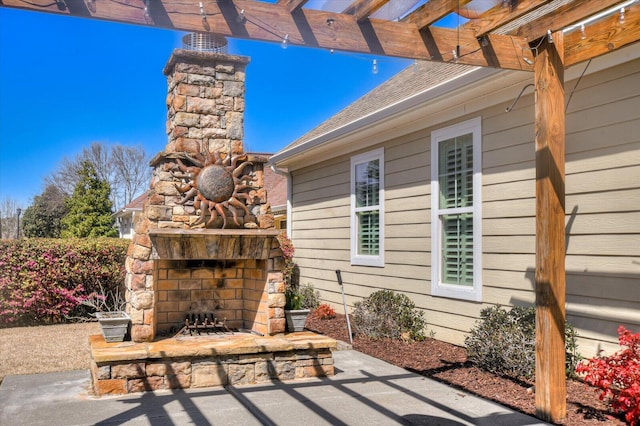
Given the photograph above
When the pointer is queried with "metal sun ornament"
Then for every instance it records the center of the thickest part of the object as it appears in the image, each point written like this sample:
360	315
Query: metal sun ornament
217	186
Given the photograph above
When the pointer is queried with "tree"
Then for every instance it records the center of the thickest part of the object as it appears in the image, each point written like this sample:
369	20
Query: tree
8	218
89	207
132	172
125	168
42	219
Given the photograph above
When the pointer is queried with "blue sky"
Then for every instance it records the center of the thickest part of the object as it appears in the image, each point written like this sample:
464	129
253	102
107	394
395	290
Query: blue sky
67	82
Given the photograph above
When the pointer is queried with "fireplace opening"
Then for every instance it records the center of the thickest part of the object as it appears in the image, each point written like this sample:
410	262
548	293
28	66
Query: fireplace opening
211	295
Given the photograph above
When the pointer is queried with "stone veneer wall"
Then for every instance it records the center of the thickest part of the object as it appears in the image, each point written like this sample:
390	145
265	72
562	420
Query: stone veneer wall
205	101
205	114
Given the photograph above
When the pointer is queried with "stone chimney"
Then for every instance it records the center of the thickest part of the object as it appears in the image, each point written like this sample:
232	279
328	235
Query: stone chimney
205	102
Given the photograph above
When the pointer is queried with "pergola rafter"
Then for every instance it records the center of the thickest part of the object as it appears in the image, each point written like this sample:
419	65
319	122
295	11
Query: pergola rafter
432	11
509	35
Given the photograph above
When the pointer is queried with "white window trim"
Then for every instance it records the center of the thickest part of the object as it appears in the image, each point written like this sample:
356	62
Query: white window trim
473	126
356	259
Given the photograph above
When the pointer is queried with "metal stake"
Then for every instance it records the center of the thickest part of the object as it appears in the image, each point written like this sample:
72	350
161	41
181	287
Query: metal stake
344	303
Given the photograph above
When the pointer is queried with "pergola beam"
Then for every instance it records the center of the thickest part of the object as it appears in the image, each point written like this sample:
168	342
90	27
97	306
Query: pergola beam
361	9
413	37
432	11
603	36
307	27
562	17
292	5
500	15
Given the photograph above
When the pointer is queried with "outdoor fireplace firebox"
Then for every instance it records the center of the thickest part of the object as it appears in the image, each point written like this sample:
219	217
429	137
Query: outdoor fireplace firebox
228	276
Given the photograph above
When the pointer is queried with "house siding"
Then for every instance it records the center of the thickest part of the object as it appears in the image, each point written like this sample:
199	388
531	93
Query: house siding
602	215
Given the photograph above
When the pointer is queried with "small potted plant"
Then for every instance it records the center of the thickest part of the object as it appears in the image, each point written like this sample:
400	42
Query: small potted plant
110	313
114	325
299	300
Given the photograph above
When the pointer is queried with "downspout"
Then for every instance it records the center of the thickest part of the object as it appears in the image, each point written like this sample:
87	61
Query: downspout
287	175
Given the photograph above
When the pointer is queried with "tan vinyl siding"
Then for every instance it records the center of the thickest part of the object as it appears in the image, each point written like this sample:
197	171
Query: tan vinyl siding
602	207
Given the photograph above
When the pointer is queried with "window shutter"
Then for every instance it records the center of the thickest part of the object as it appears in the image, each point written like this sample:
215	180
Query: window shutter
457	249
369	231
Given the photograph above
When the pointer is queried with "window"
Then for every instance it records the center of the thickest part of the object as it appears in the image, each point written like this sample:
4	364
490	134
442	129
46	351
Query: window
456	234
367	209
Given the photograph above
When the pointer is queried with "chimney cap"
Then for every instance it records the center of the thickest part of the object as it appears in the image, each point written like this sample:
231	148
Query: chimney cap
205	42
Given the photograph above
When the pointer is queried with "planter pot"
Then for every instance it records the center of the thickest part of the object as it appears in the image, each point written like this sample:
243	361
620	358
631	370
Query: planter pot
114	325
296	319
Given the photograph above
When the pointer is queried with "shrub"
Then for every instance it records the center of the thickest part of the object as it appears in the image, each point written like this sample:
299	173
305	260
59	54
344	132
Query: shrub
503	342
310	296
325	312
288	265
301	297
618	376
293	299
47	280
388	314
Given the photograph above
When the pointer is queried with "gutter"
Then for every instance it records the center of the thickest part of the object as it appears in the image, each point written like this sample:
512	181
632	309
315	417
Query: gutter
462	80
287	175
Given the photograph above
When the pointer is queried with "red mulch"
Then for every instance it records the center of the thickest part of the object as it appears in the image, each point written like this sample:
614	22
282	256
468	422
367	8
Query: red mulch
448	363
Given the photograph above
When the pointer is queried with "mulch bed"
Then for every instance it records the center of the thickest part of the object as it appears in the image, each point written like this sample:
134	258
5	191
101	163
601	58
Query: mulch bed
448	364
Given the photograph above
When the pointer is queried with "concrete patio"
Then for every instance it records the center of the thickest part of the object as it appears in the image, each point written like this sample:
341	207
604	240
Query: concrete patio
364	390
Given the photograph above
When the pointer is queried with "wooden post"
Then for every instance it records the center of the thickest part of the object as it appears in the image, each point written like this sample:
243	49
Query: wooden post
550	245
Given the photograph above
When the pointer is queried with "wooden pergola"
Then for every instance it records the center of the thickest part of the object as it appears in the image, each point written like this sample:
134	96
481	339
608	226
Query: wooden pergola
543	37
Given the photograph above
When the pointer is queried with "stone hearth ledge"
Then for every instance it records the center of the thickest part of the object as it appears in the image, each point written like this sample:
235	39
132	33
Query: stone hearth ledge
206	346
207	361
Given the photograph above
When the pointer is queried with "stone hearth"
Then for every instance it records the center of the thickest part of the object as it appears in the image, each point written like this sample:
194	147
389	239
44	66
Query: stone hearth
205	361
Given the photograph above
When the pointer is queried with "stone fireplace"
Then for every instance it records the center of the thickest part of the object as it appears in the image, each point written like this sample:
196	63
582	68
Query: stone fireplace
205	246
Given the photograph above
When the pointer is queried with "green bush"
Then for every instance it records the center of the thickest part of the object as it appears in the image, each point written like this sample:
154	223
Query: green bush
47	280
310	296
388	314
504	342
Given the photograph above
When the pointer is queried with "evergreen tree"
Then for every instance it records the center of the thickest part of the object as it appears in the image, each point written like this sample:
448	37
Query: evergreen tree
42	218
89	207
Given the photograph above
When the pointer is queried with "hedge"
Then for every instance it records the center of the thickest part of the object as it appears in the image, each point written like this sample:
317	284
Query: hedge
44	281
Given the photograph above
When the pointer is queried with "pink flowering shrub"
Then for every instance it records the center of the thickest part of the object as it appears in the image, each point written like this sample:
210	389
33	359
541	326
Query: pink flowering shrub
288	268
46	280
618	376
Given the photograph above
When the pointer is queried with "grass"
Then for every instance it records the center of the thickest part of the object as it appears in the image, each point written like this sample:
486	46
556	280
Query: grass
45	349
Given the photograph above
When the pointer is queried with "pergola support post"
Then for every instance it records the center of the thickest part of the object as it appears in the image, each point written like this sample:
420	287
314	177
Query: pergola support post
550	239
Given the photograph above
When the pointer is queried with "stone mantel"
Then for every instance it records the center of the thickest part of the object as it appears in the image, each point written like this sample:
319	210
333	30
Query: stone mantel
185	244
